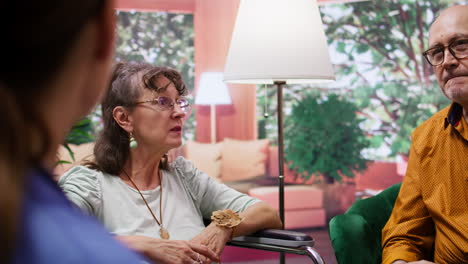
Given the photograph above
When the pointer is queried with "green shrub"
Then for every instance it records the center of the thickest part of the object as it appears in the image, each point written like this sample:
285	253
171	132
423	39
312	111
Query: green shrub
323	137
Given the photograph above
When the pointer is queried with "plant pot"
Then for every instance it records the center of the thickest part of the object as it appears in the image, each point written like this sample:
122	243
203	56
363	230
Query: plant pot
338	197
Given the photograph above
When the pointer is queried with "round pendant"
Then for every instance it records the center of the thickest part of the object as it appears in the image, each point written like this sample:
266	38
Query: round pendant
163	233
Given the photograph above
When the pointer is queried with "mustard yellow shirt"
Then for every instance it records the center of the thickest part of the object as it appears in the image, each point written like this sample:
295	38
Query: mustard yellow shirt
430	217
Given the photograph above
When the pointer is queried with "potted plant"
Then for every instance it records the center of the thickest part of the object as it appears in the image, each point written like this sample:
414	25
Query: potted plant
323	138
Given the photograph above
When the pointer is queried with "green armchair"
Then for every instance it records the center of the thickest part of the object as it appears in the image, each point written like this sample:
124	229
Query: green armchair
356	235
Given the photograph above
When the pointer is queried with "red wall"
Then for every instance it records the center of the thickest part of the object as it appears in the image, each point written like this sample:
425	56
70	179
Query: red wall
214	23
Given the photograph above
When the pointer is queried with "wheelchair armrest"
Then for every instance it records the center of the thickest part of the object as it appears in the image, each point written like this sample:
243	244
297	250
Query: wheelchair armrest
277	237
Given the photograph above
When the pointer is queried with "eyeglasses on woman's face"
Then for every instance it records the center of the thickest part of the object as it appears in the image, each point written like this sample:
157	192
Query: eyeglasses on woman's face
165	103
436	55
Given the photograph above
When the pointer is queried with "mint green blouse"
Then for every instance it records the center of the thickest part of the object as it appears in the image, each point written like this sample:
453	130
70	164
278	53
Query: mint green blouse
189	195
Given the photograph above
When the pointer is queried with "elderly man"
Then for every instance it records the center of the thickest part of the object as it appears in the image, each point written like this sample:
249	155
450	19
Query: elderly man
430	219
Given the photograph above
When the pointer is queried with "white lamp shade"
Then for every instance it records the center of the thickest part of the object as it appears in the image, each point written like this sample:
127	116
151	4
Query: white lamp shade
212	90
278	40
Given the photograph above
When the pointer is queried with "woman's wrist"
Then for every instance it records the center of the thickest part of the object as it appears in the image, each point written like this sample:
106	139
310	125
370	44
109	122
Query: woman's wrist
233	230
221	231
136	243
226	220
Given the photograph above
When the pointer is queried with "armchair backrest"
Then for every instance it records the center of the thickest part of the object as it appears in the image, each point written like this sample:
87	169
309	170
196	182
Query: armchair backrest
356	235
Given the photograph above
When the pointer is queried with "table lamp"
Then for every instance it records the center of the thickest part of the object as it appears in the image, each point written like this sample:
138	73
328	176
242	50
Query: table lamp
212	91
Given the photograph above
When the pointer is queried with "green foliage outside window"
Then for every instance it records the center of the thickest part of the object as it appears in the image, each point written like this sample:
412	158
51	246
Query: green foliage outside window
381	43
158	38
323	137
376	48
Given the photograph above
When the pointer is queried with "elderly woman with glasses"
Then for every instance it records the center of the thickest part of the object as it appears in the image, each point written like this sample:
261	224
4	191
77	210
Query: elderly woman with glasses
154	206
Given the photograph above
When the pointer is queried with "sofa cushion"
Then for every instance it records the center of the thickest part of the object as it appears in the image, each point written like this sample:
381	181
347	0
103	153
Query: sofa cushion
303	204
306	218
205	156
296	196
242	159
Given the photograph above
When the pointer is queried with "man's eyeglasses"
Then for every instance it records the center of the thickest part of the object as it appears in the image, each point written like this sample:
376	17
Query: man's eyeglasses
458	48
166	103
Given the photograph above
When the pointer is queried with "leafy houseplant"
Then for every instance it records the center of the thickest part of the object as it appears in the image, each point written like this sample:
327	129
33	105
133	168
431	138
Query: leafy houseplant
81	132
323	137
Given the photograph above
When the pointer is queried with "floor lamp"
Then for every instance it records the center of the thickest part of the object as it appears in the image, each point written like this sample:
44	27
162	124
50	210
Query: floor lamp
278	42
212	91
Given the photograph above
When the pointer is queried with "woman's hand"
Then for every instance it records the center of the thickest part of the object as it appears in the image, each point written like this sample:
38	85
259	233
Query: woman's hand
170	251
214	237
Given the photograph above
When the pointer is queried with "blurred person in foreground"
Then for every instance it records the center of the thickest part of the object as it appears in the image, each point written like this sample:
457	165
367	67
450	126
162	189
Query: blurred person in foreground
56	63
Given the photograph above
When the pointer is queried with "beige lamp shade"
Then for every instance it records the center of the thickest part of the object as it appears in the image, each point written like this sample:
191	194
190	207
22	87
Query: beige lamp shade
278	40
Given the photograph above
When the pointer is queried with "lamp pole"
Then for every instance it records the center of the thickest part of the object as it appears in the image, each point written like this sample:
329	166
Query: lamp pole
279	86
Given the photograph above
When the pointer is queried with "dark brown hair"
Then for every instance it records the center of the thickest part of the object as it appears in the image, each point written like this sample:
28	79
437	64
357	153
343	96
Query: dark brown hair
38	38
111	149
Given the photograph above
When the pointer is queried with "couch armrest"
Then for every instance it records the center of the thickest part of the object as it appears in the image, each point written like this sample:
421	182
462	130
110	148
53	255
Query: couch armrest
278	237
283	241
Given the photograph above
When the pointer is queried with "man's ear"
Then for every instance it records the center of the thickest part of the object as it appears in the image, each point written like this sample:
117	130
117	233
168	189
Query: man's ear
106	22
123	119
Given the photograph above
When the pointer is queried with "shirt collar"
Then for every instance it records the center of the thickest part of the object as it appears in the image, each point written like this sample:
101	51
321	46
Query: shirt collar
454	115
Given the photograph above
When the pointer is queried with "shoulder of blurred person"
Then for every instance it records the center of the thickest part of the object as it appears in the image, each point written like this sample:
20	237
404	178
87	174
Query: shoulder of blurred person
55	67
